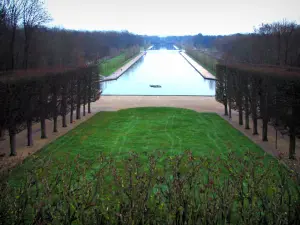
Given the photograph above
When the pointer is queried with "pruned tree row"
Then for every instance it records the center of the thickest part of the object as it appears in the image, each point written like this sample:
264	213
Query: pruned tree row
269	93
33	97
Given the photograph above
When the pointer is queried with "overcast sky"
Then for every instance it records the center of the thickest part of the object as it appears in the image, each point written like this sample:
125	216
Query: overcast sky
171	17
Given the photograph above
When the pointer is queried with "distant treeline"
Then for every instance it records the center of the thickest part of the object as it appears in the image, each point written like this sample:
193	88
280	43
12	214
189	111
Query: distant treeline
25	43
275	43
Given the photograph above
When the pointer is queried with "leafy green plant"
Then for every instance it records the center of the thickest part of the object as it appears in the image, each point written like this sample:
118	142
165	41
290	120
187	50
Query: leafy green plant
187	189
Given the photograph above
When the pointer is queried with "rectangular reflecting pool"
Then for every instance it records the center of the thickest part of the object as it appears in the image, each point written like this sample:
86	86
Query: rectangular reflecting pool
166	68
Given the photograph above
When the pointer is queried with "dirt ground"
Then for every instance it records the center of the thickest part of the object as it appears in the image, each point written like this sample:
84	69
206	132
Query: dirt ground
113	103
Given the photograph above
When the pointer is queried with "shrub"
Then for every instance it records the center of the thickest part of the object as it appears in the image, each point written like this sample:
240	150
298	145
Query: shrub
182	189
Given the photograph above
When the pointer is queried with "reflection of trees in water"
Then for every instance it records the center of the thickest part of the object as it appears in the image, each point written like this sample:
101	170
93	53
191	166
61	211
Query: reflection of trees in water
159	46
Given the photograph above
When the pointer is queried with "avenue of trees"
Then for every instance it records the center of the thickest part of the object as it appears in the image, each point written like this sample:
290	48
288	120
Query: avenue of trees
269	93
28	97
258	75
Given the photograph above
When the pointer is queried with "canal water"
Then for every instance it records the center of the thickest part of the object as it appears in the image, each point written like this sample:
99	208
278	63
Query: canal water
163	67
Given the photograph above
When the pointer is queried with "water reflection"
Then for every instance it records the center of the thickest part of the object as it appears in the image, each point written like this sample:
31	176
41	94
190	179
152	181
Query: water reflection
160	67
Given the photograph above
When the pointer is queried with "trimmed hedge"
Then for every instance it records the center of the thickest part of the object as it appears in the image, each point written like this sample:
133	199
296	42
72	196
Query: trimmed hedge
270	93
28	97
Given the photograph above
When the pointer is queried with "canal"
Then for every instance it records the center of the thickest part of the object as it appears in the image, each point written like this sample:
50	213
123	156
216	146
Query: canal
166	68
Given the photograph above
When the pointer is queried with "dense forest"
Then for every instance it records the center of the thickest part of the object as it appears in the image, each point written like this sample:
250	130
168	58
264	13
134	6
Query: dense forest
26	43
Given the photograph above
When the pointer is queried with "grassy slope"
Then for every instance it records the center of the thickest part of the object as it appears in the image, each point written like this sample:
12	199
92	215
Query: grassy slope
146	129
108	67
203	65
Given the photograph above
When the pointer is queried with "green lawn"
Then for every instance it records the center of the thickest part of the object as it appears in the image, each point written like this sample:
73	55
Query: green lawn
245	189
146	129
107	67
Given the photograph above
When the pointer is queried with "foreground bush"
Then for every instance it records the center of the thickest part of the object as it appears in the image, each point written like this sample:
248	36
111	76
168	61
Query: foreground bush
183	189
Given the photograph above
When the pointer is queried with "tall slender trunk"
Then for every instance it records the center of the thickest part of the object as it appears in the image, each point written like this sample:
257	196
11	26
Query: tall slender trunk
55	124
241	122
265	120
225	105
64	106
78	99
42	114
254	109
84	98
292	128
229	111
29	132
247	113
292	146
55	114
12	141
89	93
226	109
254	120
72	109
43	128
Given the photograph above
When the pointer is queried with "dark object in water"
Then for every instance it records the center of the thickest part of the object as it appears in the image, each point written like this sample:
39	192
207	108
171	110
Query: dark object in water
155	86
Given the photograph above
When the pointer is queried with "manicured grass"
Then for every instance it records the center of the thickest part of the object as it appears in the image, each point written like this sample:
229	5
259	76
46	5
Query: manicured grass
146	129
107	67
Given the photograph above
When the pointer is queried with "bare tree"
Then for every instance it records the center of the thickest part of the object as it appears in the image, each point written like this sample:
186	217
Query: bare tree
287	30
14	9
34	15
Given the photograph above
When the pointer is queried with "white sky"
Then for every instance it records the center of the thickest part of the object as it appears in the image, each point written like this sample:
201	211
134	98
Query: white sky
171	17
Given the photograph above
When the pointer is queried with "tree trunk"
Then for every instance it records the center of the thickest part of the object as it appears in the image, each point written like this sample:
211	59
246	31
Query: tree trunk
229	106
64	106
265	119
72	101
292	146
90	93
55	124
43	128
42	115
254	108
265	130
78	99
72	109
226	110
29	133
55	111
225	106
241	122
254	129
84	99
12	141
292	131
247	113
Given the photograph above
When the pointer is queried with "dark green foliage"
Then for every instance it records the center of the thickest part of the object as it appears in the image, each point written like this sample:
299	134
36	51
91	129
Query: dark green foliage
271	93
30	97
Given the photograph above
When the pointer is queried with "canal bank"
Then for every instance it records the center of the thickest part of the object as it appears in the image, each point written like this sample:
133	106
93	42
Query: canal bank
203	72
160	72
123	69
